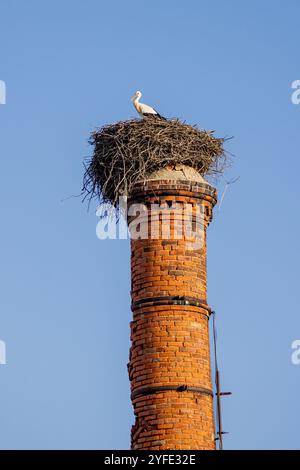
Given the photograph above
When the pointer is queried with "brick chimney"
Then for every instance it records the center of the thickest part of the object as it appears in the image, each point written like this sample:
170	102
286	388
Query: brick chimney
169	366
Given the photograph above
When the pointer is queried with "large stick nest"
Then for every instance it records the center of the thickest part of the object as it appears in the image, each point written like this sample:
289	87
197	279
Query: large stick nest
130	151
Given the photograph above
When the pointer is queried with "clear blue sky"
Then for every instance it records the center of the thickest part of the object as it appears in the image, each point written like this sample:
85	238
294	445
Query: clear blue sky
70	66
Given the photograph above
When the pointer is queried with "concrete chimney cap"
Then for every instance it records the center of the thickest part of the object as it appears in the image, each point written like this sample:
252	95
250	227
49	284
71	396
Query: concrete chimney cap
177	172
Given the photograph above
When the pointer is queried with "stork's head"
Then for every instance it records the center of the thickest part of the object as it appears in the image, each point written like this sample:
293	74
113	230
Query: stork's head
136	95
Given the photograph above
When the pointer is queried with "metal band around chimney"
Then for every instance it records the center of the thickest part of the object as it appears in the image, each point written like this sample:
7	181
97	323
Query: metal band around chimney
165	388
170	300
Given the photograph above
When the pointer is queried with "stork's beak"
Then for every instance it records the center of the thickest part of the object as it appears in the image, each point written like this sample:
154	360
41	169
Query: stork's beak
133	96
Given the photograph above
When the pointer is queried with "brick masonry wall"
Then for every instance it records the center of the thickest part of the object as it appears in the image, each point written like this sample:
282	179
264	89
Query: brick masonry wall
169	366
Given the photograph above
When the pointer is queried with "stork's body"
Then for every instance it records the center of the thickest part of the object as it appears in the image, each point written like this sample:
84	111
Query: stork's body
144	110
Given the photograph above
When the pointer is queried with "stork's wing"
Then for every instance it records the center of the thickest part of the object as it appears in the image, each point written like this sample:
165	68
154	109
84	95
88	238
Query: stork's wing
156	115
145	109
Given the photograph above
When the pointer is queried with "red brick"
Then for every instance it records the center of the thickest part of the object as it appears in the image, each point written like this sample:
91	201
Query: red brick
170	343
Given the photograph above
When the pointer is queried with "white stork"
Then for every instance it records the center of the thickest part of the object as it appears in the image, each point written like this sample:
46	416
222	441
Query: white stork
143	109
